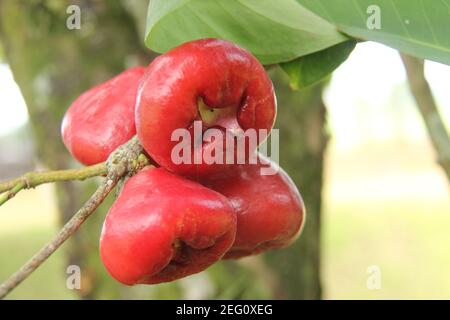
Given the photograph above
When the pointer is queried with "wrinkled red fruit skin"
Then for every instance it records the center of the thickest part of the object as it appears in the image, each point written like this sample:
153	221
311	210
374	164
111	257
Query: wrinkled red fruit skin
270	211
102	118
164	227
219	72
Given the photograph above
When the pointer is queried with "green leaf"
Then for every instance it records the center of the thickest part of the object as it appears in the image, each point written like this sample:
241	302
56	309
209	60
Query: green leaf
418	27
312	68
274	31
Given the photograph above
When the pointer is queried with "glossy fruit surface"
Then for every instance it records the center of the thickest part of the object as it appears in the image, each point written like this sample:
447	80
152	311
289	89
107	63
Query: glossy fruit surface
269	208
164	227
212	81
102	118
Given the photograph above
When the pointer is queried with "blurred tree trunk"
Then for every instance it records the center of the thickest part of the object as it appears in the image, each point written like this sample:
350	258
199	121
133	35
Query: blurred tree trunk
53	65
421	91
301	120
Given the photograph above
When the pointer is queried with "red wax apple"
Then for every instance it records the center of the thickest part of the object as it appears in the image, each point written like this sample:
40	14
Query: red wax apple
164	227
269	208
102	118
212	82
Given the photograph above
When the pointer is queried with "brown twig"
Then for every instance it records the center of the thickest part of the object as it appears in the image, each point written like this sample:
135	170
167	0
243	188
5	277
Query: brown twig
426	104
33	179
127	159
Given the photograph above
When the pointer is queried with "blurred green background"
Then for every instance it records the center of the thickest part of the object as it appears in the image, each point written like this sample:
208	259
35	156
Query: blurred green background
384	201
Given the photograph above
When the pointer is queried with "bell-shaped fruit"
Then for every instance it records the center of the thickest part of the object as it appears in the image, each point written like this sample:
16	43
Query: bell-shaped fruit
269	208
199	86
163	227
102	118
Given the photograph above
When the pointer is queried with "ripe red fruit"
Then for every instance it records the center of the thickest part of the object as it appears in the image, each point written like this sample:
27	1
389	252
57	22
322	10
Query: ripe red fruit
102	118
164	227
210	80
269	208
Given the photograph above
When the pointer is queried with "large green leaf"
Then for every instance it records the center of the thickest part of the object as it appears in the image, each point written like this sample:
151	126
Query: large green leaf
307	70
274	31
417	27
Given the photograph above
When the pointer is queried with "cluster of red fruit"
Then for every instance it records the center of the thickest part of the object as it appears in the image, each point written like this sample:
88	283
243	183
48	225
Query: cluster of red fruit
174	220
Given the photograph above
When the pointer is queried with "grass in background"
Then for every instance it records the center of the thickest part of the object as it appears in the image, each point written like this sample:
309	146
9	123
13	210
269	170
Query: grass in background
386	205
409	242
